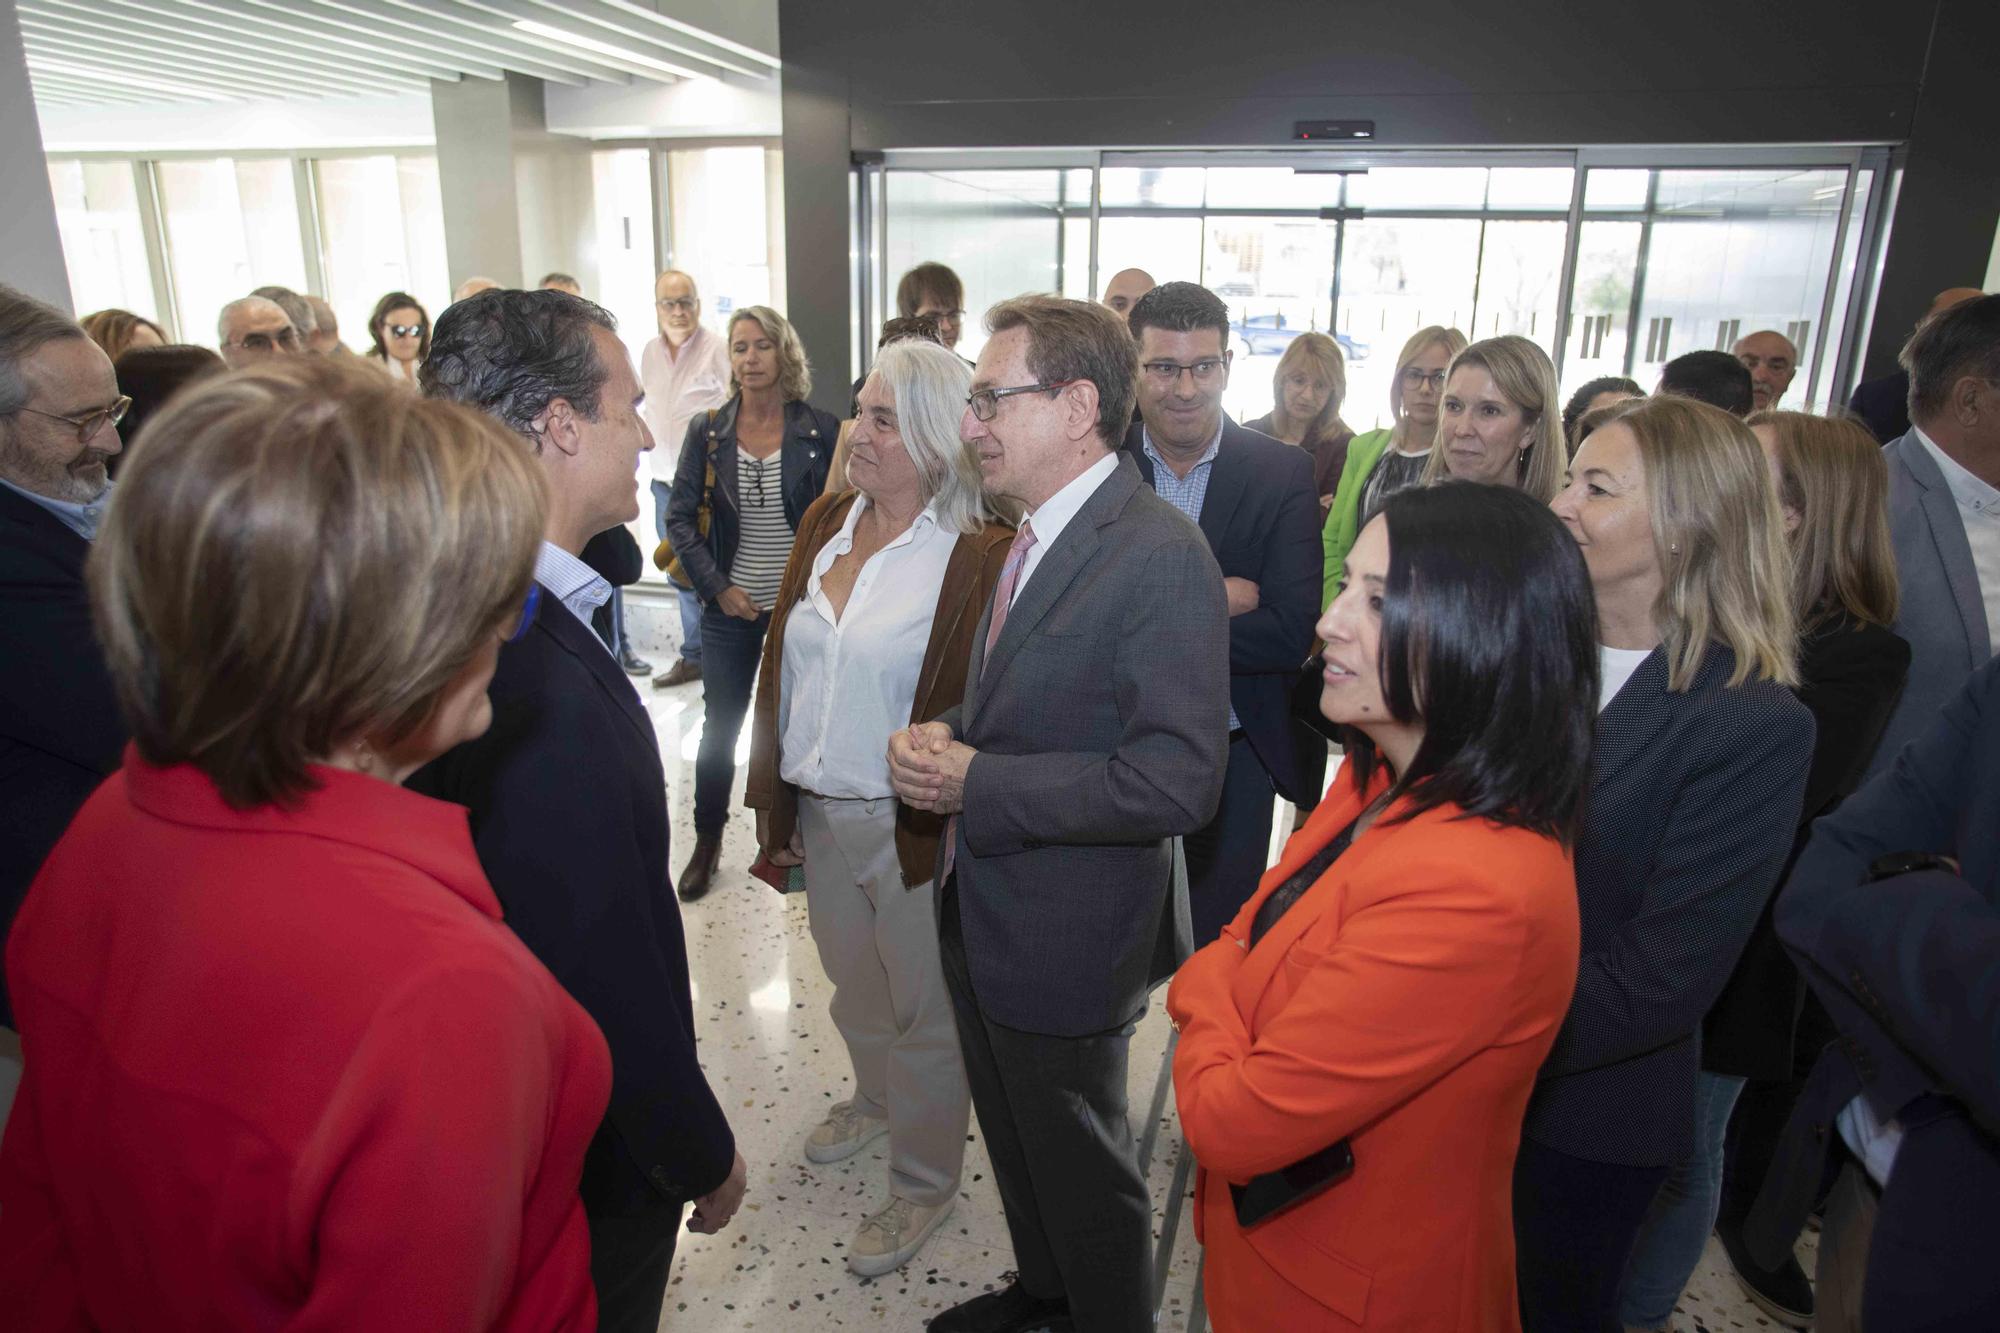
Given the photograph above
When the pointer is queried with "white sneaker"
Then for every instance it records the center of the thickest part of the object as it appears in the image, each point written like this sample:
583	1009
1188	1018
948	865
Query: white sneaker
843	1133
890	1238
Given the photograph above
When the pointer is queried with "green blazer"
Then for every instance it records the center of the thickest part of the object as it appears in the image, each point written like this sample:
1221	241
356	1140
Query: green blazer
1341	520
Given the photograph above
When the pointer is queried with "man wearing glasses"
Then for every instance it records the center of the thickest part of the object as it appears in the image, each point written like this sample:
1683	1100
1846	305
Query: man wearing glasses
60	733
685	370
253	329
1253	498
1091	736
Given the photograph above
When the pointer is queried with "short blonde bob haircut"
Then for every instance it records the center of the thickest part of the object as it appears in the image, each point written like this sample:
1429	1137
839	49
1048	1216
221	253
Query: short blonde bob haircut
1433	335
795	379
1725	574
1523	371
1319	356
303	553
1830	470
928	384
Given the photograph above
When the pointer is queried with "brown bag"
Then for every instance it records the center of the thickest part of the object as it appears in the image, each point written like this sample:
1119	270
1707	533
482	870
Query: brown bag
663	554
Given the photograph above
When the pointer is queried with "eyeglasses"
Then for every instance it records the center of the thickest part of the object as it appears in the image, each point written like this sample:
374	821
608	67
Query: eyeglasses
1417	379
264	342
1166	374
404	330
684	304
528	607
985	403
89	423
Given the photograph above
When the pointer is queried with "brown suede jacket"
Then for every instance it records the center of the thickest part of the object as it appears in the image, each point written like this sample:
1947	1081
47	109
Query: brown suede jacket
969	580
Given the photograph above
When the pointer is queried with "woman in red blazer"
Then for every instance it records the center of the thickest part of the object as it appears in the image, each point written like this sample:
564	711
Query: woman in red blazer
285	1066
1400	973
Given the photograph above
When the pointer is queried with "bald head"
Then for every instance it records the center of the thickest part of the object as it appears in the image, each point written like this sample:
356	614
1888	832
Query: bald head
1127	285
1772	360
252	329
472	287
678	306
1952	296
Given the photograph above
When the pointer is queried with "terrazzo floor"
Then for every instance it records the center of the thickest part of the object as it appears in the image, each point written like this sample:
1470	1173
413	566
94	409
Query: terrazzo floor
776	1063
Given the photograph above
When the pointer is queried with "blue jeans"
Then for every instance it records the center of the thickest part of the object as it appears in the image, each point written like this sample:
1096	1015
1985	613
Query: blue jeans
734	648
1683	1213
690	604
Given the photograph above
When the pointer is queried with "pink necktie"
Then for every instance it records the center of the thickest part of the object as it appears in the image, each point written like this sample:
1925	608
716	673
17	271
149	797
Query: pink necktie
1003	600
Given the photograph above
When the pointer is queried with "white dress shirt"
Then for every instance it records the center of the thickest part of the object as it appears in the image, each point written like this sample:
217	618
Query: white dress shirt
576	585
1979	510
676	388
848	680
1056	512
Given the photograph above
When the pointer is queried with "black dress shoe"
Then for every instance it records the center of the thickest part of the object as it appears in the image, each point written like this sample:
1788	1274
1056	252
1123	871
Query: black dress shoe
1782	1292
634	664
699	871
1008	1310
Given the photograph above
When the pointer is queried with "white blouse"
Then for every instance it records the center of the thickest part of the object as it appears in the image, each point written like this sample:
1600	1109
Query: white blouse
848	681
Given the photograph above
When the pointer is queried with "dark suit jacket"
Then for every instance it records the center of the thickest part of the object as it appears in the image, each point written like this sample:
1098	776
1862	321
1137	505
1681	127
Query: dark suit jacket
1943	616
1261	518
711	442
569	814
1883	405
60	730
1101	738
1694	798
1907	968
1850	675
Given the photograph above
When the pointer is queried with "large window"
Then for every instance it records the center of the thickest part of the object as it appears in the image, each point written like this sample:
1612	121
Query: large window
231	225
381	225
103	238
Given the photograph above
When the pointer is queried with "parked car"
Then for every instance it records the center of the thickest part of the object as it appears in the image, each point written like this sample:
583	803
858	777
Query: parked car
1270	335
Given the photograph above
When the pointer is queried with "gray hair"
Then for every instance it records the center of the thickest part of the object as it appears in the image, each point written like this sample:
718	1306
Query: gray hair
1957	342
244	303
929	383
512	353
297	309
25	325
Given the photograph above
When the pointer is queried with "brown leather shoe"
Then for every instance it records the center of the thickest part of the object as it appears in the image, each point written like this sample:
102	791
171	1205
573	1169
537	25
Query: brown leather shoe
681	673
699	872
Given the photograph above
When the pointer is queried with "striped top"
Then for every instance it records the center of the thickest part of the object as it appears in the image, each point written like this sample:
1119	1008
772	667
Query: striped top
764	541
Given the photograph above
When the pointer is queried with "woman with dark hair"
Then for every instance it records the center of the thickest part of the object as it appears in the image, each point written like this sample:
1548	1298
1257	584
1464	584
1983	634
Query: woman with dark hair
1765	1031
401	335
1695	789
120	331
1604	391
149	376
747	473
1382	1003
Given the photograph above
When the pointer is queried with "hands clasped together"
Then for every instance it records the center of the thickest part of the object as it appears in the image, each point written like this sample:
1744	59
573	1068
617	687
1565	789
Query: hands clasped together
927	767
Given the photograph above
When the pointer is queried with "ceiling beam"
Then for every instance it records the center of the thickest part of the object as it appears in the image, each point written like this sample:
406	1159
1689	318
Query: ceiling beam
498	43
232	16
107	83
492	25
689	30
620	26
155	50
160	15
597	46
335	27
81	51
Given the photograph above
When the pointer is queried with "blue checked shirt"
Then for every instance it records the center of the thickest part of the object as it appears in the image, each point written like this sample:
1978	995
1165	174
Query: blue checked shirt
576	585
1185	493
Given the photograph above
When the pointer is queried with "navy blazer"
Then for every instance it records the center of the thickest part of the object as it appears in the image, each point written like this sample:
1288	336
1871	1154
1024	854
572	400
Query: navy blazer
60	730
1942	616
806	454
1694	798
1883	405
1907	969
569	815
1261	518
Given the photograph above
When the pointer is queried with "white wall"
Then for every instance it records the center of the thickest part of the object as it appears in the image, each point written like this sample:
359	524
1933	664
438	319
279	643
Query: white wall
31	256
692	108
348	122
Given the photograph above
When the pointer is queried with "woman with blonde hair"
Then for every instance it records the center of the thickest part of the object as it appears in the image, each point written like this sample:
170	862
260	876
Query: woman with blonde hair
119	331
1500	419
748	471
285	1062
1765	1029
1381	462
873	632
1307	390
1697	780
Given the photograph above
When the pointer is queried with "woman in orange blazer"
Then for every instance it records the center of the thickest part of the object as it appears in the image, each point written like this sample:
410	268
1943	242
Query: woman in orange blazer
1399	975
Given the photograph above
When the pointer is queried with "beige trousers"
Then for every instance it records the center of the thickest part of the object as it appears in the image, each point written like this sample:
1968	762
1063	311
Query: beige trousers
878	942
1844	1236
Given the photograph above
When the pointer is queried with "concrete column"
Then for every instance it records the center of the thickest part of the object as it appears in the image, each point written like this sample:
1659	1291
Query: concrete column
31	256
517	199
817	275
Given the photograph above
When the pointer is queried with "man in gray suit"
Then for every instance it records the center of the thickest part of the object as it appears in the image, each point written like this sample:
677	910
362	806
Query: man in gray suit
1093	731
1944	512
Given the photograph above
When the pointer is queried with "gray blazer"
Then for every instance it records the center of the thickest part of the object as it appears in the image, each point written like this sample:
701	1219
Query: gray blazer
1943	616
1102	736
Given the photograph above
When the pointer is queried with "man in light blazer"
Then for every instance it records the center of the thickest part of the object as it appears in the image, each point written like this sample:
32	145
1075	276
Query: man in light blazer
1093	732
1944	512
